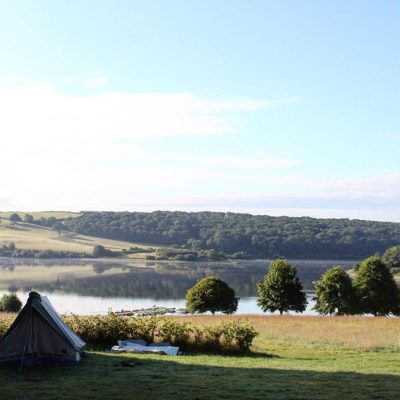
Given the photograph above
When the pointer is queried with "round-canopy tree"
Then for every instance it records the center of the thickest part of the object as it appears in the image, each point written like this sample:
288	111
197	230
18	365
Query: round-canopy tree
281	289
14	217
335	293
101	251
28	218
376	288
392	257
211	294
10	303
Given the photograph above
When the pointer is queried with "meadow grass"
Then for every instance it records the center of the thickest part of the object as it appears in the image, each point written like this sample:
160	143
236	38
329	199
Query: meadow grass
292	358
352	332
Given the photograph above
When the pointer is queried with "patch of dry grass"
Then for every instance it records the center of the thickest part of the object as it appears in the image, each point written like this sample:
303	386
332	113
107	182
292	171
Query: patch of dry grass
353	332
30	236
40	214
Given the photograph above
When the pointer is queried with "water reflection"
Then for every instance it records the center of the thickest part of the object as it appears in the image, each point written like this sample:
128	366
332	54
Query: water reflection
162	282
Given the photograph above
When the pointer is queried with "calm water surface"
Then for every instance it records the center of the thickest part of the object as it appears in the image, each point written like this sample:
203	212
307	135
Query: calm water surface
93	287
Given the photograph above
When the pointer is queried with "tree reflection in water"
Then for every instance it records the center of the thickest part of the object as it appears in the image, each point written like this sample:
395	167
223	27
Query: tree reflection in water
158	280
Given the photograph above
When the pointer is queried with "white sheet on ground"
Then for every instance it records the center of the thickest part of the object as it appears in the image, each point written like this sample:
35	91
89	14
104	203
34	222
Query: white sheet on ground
170	350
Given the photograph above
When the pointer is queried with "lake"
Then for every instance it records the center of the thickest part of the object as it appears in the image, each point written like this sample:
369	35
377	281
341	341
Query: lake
87	287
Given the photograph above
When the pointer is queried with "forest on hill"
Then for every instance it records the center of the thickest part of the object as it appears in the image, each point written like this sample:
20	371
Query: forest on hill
243	235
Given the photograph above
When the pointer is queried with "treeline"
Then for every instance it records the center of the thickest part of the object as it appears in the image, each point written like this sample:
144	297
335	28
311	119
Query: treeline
243	235
57	224
9	250
187	255
372	291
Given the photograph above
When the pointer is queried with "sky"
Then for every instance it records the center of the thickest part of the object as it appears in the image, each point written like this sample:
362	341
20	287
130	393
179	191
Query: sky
255	106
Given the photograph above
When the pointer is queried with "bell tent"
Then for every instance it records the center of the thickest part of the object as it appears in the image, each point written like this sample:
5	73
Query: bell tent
39	336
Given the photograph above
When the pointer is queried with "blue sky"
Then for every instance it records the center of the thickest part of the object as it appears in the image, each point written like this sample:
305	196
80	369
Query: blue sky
268	107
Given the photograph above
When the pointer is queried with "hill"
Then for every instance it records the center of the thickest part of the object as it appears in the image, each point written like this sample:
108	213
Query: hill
244	234
32	236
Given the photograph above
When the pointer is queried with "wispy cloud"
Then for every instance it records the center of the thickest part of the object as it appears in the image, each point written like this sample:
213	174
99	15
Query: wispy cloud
85	151
36	109
97	151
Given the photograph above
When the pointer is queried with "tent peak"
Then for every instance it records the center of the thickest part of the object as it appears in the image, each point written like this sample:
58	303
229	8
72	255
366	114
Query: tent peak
35	295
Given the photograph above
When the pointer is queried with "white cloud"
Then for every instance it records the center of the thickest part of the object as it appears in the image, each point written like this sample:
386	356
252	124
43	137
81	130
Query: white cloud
35	111
63	151
74	152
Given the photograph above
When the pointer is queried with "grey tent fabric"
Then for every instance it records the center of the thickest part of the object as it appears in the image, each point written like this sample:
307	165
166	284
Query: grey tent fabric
39	336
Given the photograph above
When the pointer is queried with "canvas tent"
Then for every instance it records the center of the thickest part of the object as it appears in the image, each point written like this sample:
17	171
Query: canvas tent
39	336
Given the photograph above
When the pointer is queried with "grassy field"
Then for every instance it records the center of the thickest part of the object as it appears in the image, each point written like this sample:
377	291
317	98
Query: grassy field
293	358
40	214
30	236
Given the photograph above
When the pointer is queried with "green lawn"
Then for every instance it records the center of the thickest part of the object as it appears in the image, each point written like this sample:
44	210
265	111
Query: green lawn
282	366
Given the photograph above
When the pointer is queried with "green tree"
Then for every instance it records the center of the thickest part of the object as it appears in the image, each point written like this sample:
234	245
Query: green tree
10	303
211	294
51	221
28	218
376	288
335	293
391	258
58	227
281	289
14	217
99	251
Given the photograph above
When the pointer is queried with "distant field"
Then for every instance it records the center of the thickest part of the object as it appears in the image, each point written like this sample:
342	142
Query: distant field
39	214
311	358
30	236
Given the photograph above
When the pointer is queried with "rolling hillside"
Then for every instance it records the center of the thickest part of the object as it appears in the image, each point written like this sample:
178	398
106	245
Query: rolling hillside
31	236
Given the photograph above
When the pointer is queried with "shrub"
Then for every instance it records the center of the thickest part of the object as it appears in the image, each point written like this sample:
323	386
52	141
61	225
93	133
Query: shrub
4	325
233	337
10	303
174	332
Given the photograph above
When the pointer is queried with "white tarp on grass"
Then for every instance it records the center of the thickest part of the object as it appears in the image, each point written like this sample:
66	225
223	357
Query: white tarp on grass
129	347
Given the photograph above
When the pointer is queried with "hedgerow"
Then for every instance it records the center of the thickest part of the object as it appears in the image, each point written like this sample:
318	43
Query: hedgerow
102	331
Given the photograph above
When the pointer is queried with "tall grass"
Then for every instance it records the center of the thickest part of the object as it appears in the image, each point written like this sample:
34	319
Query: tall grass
352	332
